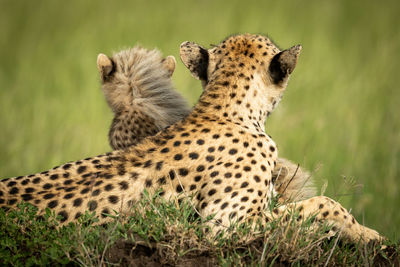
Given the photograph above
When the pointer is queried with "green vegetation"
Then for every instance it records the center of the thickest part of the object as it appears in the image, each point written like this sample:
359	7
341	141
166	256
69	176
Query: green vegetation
174	237
341	109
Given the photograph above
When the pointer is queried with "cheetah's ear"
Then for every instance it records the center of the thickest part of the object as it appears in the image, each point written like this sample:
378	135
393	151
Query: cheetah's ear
283	64
169	63
105	66
195	59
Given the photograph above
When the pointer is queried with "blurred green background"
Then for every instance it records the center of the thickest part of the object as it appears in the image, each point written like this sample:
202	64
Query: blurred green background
339	117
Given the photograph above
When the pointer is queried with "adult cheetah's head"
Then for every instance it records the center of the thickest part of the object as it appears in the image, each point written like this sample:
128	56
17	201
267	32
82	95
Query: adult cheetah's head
242	57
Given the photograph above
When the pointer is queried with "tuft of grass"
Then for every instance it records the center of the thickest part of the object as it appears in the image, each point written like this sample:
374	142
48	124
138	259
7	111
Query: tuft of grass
170	233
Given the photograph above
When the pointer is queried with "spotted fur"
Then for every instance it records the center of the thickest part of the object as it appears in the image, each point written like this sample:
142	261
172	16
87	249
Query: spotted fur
135	122
138	88
219	153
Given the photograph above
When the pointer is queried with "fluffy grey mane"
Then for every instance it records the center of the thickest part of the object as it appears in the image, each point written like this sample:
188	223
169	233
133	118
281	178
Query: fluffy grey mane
141	81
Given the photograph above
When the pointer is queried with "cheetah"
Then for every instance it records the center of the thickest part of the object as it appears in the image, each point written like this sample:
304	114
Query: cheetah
138	88
219	153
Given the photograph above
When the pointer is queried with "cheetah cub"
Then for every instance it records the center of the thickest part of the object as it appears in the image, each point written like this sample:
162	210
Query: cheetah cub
138	88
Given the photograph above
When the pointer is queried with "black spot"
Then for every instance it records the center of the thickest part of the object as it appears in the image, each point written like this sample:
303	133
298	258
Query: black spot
212	192
96	192
92	205
193	155
179	188
113	199
217	181
210	158
192	187
36	180
223	206
171	175
25	182
159	165
52	177
66	166
77	202
228	189
134	175
81	169
244	199
11	184
13	201
148	182
14	191
257	178
326	213
233	151
52	204
247	168
178	157
263	168
200	142
228	175
214	173
164	150
104	213
47	186
109	187
197	178
183	171
64	215
162	180
272	148
48	196
69	196
147	164
200	168
67	182
336	213
238	175
123	185
84	191
78	215
98	183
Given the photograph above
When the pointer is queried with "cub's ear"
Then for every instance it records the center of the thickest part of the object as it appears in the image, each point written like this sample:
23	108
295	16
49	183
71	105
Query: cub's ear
283	64
195	59
169	63
105	66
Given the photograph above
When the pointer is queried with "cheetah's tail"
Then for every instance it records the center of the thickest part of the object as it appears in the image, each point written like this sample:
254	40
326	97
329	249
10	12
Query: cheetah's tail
292	182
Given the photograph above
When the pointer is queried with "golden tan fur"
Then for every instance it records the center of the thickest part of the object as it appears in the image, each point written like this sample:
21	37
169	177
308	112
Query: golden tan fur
134	122
219	153
137	86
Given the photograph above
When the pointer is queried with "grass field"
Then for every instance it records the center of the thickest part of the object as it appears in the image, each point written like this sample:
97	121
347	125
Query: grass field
340	115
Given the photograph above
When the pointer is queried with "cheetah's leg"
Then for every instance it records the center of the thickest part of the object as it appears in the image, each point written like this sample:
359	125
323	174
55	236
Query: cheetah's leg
330	211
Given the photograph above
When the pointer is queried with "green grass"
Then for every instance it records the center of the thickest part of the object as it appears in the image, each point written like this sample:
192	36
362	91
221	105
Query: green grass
341	109
176	236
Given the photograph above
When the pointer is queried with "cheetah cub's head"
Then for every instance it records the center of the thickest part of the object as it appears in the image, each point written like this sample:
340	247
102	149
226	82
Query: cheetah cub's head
249	62
134	74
